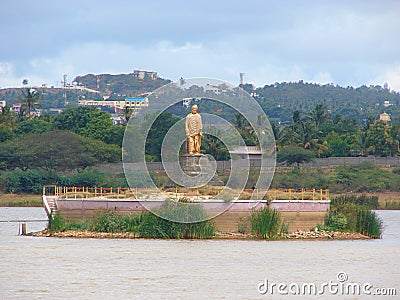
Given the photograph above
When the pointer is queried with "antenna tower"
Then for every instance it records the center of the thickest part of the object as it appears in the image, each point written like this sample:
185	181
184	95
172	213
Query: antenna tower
64	84
241	85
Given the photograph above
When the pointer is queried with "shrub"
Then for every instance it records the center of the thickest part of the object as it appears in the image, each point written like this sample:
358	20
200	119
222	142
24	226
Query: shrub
243	225
57	223
337	222
111	221
396	171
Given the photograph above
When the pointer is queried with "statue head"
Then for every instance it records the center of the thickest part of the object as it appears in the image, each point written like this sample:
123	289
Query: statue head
194	109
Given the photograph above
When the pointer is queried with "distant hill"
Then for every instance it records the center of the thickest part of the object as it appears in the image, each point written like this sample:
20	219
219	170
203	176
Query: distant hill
90	86
278	100
122	85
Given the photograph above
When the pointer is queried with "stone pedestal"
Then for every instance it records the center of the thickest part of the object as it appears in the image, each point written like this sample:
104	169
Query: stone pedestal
199	165
190	164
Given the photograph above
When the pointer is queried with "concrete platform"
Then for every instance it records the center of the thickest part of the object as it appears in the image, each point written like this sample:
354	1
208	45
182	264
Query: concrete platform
299	214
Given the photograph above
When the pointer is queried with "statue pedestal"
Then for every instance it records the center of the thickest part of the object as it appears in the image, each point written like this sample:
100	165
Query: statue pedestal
190	164
198	165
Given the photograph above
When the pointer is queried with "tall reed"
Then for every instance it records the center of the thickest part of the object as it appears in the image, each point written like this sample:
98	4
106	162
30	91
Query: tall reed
160	226
367	201
368	223
266	223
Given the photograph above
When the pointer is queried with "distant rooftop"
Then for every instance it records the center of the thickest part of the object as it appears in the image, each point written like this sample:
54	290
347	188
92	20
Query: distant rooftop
135	99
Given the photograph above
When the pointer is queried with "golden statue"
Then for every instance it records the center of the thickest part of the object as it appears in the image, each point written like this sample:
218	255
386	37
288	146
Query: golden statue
194	133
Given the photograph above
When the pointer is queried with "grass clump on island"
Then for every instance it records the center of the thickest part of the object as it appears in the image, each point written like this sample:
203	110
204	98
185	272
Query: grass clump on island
146	224
351	213
267	223
347	213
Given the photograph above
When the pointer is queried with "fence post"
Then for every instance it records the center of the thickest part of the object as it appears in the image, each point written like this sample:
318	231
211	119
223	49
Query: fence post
23	230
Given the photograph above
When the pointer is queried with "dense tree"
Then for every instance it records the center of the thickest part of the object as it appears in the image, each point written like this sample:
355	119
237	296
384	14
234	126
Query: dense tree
90	122
58	150
35	125
157	133
294	155
379	140
337	145
8	119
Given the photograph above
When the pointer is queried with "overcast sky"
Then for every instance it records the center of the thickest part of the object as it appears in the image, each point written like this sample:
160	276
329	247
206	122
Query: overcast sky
341	42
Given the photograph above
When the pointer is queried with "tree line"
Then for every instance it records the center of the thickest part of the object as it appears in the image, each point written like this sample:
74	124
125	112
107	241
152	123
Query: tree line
326	135
58	149
27	139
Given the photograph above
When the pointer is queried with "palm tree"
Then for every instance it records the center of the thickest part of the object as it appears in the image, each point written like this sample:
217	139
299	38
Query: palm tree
127	114
319	115
296	117
245	129
361	143
305	135
213	146
30	100
283	136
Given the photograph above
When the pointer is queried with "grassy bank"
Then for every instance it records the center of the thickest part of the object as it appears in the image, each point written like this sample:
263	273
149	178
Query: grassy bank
144	225
20	200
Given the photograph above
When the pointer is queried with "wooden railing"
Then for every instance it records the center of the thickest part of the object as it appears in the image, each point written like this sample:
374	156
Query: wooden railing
181	192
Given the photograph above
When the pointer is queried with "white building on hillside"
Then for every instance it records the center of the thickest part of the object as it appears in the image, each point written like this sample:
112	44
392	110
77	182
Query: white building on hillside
142	74
134	103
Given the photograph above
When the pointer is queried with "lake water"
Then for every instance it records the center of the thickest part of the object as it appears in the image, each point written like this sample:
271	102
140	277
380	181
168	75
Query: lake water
52	268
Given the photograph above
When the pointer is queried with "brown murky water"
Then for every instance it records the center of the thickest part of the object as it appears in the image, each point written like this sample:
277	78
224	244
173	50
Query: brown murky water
34	268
